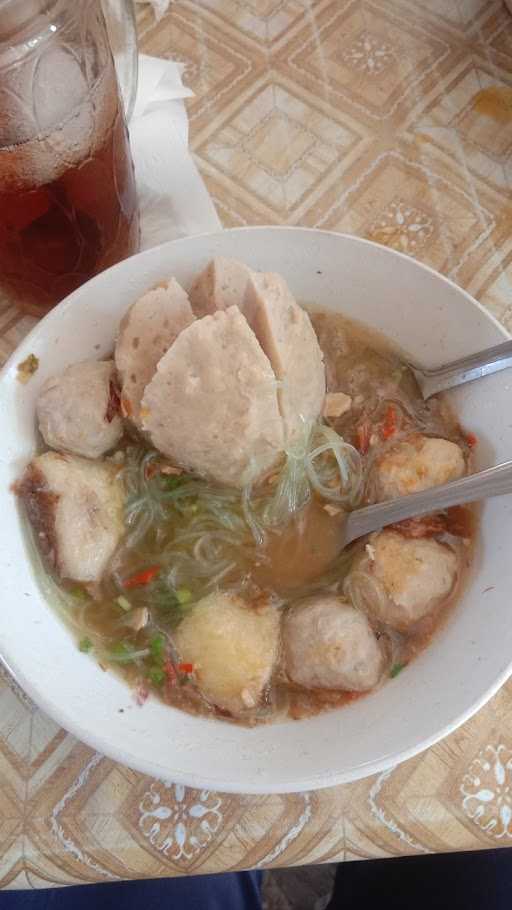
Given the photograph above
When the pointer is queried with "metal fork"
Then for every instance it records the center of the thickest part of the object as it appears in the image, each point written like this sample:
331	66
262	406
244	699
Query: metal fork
495	481
464	370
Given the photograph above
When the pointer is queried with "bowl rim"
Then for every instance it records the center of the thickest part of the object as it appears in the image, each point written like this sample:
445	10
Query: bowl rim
153	768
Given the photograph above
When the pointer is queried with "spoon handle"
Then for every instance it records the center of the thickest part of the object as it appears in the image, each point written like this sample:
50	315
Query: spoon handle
464	370
492	482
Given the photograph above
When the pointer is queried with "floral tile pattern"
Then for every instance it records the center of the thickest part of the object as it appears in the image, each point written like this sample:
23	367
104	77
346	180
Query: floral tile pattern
391	119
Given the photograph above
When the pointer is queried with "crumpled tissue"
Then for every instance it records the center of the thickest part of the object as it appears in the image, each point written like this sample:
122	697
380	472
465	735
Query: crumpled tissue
173	199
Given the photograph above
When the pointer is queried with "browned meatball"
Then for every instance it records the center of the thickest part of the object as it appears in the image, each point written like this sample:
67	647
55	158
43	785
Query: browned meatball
232	647
417	464
75	507
408	578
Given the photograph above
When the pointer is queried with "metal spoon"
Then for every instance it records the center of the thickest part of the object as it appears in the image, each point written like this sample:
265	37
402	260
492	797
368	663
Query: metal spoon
493	482
464	370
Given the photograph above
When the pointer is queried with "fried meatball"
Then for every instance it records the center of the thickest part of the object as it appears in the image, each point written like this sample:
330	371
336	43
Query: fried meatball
233	649
410	578
417	464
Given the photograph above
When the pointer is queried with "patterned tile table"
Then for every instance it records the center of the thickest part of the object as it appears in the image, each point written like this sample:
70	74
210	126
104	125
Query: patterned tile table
391	119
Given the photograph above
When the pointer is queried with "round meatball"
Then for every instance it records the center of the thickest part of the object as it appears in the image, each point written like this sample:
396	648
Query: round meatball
233	648
411	578
330	645
417	464
78	410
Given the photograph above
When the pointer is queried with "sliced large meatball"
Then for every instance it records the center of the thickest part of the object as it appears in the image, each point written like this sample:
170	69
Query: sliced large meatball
78	410
75	508
146	332
417	464
220	285
212	404
330	645
232	647
410	578
286	335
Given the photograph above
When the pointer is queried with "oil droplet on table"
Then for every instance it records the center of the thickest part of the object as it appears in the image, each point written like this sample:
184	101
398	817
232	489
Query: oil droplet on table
495	102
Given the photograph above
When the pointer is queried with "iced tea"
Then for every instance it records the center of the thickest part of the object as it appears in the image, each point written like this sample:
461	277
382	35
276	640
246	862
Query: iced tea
55	235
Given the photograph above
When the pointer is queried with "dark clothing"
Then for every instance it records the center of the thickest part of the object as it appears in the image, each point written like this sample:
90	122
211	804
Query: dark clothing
472	881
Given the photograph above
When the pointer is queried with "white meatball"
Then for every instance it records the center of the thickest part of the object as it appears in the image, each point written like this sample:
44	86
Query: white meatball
233	648
417	464
411	578
78	410
146	332
220	285
75	507
286	334
212	404
330	645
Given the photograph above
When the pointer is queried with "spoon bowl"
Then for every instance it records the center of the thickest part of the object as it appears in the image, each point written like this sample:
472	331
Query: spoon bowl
495	481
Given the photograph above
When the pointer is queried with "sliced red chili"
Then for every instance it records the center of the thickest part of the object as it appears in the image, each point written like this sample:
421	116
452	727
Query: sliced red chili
170	673
186	668
150	470
141	578
363	434
126	407
389	425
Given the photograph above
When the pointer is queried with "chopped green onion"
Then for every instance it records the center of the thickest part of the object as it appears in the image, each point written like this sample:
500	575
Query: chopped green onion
79	594
166	603
396	669
124	603
124	653
171	482
156	675
85	645
183	596
157	647
121	648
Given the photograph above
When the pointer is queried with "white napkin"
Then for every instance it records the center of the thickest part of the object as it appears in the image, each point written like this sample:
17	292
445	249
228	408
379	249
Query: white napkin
173	199
160	6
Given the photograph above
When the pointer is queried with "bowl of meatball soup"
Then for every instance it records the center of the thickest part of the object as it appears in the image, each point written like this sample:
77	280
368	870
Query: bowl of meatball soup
183	438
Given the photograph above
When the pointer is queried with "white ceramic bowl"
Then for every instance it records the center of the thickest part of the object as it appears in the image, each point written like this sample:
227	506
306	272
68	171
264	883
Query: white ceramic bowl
431	319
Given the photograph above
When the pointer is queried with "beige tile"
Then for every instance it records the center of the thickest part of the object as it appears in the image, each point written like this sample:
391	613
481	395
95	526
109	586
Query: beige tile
369	59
